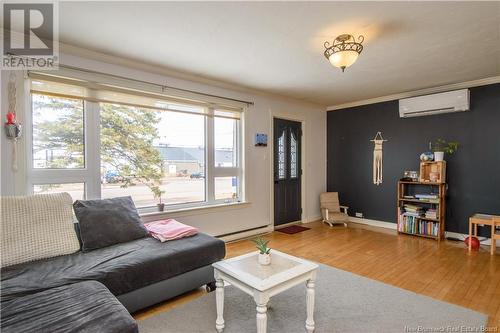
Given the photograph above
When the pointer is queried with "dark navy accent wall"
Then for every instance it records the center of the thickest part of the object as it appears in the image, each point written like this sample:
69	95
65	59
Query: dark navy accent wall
473	173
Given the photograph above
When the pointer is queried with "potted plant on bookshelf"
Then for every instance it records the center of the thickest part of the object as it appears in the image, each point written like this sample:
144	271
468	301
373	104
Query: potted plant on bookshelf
441	146
158	194
264	251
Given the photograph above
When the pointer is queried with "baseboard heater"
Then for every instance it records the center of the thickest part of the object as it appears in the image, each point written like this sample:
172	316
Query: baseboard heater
241	231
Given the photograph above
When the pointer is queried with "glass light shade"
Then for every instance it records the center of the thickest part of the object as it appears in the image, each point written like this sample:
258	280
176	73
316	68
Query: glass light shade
343	59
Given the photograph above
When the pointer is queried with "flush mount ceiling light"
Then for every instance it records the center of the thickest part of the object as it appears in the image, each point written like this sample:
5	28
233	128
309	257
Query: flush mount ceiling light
344	50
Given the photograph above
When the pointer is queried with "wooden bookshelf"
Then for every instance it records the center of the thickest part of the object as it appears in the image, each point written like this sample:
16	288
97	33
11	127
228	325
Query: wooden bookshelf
420	225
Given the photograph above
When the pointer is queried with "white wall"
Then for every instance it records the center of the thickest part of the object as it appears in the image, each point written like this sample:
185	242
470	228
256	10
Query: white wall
218	221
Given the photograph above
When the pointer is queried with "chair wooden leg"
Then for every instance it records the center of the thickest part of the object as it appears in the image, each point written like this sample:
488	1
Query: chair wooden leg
327	222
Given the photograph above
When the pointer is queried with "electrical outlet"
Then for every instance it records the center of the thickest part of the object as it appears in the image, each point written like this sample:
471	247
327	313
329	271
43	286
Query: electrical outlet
359	214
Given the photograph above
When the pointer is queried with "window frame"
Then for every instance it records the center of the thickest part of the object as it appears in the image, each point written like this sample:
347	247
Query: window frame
221	171
84	185
90	175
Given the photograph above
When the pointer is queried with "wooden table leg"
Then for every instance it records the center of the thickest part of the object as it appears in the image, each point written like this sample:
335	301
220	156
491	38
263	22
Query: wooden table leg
310	306
261	318
219	298
470	236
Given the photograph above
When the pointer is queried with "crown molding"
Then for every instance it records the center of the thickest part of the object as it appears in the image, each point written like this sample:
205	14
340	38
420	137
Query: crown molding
426	91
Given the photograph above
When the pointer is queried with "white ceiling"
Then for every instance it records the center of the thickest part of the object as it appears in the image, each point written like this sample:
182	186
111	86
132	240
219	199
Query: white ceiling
278	46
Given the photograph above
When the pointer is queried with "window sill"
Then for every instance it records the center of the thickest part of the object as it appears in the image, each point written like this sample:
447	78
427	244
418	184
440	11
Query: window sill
187	211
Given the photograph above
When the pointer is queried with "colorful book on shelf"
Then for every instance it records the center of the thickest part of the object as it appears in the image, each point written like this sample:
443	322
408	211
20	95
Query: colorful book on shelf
413	207
435	201
431	214
413	210
431	198
426	196
412	225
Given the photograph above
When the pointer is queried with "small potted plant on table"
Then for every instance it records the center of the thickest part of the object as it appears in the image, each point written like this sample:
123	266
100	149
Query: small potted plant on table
264	251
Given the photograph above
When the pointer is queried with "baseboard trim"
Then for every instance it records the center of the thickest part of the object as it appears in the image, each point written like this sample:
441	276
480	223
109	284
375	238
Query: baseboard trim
284	225
393	226
487	240
309	220
313	219
374	223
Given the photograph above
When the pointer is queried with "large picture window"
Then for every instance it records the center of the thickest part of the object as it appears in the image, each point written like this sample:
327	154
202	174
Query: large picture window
120	145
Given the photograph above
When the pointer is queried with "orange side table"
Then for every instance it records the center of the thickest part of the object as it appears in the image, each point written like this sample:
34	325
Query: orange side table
483	219
494	234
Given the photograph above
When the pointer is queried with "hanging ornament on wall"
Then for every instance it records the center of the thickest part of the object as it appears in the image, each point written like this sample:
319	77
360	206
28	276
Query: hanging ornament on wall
12	126
378	140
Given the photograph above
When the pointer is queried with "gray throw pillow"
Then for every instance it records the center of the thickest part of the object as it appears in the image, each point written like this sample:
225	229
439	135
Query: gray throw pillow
109	221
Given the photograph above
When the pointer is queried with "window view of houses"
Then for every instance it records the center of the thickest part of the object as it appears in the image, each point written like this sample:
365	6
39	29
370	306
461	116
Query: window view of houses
142	151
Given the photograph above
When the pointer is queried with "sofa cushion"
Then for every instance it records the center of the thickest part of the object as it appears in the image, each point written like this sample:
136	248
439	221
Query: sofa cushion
121	267
82	307
108	221
36	227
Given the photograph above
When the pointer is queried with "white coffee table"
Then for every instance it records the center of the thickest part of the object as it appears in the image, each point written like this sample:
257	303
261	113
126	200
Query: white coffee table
263	282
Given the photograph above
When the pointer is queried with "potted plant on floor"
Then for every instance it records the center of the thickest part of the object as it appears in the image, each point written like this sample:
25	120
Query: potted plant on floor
264	251
441	146
157	194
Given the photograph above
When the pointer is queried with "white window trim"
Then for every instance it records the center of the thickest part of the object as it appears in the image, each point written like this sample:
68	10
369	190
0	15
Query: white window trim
90	175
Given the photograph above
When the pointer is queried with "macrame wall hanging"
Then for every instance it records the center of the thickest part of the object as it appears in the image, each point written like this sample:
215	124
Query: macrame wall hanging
378	140
12	126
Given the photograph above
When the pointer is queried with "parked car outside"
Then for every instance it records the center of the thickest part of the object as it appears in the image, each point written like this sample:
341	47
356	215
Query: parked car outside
197	175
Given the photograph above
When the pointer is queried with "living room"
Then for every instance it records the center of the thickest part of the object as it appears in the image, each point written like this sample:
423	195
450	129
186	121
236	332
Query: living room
214	166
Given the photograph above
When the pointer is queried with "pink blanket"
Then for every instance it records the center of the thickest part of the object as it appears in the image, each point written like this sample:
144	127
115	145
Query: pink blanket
170	229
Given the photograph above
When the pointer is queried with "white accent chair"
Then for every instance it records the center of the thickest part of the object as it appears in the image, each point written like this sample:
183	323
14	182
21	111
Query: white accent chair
331	210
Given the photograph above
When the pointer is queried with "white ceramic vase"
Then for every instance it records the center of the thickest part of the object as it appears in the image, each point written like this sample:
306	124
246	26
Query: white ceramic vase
438	156
264	259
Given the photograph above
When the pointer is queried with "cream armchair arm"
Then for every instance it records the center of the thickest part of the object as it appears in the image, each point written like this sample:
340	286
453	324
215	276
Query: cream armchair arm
344	209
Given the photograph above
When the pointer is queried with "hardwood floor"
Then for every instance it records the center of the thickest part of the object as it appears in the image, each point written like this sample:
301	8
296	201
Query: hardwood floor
444	271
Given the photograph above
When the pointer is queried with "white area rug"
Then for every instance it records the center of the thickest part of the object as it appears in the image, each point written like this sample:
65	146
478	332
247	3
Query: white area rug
345	302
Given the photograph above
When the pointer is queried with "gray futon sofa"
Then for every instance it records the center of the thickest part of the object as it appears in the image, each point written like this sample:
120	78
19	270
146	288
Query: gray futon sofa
80	292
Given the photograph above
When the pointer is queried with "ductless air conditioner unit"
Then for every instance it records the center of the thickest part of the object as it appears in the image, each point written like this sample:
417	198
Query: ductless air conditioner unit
451	101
